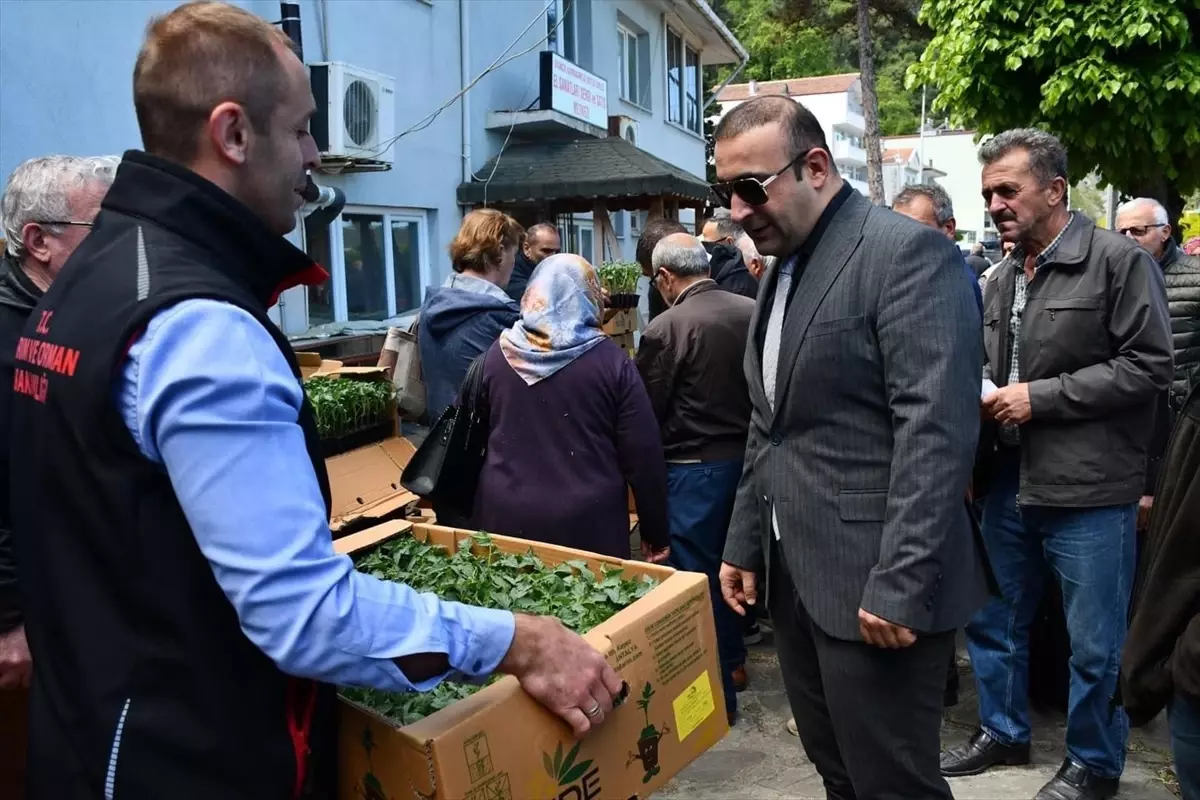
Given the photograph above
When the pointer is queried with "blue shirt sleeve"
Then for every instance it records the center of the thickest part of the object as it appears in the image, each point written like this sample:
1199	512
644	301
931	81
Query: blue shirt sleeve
207	394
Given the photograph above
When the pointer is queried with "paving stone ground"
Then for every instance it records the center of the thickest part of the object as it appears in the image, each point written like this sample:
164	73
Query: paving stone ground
760	760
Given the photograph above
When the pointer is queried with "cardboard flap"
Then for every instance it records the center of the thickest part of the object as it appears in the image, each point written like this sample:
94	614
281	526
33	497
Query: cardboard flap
365	479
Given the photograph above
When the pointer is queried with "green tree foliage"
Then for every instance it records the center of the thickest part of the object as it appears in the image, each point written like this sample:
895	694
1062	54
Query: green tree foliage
1117	80
804	38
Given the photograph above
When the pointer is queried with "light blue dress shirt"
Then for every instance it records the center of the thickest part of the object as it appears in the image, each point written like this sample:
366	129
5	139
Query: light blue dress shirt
207	394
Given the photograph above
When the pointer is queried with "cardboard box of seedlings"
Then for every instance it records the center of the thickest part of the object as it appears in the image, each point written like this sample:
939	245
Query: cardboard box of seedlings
364	481
499	744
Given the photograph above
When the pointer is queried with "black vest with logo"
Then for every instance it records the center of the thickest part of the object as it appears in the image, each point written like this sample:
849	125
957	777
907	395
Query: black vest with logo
144	684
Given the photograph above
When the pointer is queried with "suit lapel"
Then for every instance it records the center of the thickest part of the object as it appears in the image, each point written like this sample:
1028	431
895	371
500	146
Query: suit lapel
833	252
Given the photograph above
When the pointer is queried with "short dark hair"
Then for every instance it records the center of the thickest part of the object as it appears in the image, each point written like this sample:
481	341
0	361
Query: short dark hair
803	130
1047	156
197	57
726	227
542	227
943	208
655	231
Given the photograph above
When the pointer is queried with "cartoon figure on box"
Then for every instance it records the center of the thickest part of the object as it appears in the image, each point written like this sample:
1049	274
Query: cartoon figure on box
371	788
648	741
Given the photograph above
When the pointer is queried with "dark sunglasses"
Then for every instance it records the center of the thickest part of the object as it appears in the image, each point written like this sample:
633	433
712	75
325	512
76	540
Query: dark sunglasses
752	190
1140	230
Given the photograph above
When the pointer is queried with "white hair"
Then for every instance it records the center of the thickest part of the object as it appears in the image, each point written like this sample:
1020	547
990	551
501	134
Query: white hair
685	260
1160	214
39	190
769	262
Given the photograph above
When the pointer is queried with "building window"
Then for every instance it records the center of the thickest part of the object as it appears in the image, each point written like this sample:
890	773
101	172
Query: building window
633	68
580	238
683	84
573	38
377	263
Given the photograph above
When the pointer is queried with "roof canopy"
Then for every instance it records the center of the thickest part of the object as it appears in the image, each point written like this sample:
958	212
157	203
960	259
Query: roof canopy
573	175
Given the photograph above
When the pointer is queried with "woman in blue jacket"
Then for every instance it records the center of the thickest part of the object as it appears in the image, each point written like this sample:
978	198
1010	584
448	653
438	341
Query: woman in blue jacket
465	315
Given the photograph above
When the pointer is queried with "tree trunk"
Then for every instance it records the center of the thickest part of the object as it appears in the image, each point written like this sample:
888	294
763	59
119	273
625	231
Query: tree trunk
866	69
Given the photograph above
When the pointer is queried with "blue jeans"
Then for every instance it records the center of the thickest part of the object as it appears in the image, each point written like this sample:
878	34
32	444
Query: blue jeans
1184	716
700	505
1091	551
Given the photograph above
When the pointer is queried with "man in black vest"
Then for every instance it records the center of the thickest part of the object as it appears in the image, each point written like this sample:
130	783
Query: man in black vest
185	608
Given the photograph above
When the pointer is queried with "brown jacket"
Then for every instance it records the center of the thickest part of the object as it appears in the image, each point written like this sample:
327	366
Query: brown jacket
1162	651
690	358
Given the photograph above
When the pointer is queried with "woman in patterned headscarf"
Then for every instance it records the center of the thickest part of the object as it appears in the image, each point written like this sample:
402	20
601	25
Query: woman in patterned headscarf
571	425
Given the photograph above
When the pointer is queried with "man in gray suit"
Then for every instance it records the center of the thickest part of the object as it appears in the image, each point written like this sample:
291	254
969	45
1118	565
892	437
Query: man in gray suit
863	368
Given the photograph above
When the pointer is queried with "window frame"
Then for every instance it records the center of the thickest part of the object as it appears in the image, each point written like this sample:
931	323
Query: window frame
636	93
337	257
683	49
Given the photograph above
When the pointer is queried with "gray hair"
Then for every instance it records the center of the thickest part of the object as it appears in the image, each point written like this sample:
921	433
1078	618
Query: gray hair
943	208
40	189
685	260
1047	156
769	262
977	249
726	227
1160	214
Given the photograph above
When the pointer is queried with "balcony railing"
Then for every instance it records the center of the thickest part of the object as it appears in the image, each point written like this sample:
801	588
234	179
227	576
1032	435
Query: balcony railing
846	152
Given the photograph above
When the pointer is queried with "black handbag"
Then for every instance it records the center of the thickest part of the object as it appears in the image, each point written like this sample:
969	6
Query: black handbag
445	469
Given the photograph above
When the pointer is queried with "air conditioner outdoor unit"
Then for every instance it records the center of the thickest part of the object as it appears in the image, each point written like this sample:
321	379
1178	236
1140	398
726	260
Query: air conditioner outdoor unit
356	112
625	127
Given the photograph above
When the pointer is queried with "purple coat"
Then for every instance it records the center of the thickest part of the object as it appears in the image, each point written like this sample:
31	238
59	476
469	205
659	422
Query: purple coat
562	452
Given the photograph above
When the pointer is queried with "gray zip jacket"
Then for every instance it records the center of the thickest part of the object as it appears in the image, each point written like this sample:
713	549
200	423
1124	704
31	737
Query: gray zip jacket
1096	352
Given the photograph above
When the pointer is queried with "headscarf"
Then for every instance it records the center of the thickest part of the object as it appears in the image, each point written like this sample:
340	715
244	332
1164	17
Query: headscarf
560	318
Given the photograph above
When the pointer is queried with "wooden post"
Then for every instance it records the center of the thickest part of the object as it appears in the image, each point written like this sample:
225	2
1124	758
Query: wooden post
657	209
599	224
604	231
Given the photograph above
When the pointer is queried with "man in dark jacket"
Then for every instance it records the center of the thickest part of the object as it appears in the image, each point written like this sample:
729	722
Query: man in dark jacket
654	232
1076	339
704	422
1161	663
722	239
186	608
977	261
541	242
1144	220
48	207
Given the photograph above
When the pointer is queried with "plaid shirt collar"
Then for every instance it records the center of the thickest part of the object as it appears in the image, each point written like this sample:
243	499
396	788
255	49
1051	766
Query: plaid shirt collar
1017	256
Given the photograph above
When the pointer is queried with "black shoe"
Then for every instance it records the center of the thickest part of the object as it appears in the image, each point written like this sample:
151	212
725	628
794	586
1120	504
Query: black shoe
1074	781
980	753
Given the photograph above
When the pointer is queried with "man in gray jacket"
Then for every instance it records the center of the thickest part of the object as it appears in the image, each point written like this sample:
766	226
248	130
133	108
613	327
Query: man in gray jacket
863	369
1076	339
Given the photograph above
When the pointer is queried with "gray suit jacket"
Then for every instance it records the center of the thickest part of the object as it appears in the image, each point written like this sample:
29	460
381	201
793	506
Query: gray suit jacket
868	455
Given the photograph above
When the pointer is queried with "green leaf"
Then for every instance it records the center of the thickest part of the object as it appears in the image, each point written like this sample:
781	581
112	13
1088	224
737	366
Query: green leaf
568	762
576	773
549	766
558	757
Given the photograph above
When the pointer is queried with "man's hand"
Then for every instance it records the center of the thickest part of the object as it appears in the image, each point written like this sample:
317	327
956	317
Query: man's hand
1009	404
738	586
881	633
1145	506
16	665
562	671
653	555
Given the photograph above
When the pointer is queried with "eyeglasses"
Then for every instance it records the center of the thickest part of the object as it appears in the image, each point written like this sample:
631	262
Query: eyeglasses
752	190
1140	230
64	222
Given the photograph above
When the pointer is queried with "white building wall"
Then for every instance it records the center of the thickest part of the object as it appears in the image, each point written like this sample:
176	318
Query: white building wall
956	154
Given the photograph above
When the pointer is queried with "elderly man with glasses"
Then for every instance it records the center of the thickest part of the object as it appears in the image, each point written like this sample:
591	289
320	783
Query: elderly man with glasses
863	366
47	207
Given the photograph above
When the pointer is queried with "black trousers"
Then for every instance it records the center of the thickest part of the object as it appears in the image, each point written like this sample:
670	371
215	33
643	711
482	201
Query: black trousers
869	718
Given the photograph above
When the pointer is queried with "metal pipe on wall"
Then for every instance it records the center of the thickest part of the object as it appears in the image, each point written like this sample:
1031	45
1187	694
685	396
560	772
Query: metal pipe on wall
464	49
